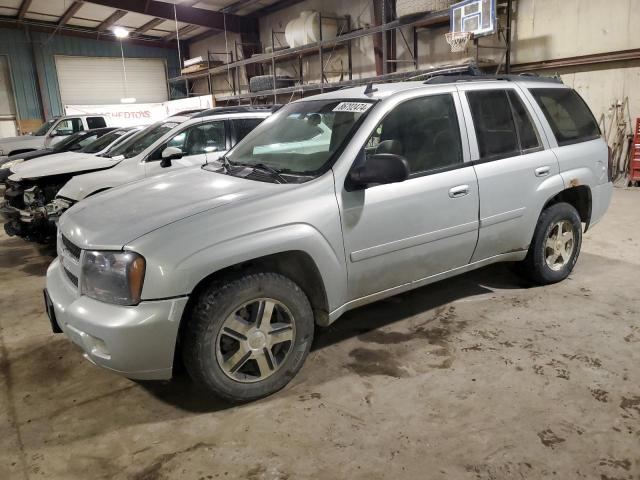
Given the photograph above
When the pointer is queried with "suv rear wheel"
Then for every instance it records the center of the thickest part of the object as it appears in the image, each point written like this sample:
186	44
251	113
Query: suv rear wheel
556	245
247	338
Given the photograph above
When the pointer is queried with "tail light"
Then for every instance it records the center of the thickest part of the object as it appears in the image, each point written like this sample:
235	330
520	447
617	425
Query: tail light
610	165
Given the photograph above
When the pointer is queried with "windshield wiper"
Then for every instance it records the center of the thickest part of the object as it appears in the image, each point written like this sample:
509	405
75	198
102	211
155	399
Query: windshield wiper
273	173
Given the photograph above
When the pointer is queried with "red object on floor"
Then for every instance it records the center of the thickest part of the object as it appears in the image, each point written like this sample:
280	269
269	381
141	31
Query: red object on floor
634	162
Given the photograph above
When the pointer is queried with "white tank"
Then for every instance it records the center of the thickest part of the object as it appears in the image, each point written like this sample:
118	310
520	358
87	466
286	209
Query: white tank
306	29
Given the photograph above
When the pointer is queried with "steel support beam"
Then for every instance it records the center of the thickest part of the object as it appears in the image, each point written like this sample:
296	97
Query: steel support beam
24	8
150	25
183	31
69	13
579	61
111	19
184	14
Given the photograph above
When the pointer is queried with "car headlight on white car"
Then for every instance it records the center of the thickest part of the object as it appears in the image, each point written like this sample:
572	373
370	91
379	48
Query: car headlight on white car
113	277
12	163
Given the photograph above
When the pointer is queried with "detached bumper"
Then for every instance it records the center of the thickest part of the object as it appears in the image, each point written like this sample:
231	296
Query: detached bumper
137	342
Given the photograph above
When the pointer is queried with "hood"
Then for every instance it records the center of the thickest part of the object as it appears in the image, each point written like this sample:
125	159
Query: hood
33	154
14	140
25	141
112	219
59	164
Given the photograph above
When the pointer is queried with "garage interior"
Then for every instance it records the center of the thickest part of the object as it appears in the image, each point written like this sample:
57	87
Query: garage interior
481	376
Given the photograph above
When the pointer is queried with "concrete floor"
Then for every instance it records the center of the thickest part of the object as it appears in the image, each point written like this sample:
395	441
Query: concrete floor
478	377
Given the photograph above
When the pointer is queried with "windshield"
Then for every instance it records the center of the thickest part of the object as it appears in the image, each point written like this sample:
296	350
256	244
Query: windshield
103	142
66	143
302	137
44	128
142	140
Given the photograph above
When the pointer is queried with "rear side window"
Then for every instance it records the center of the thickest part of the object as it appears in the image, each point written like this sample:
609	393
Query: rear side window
96	122
243	126
569	116
526	131
494	124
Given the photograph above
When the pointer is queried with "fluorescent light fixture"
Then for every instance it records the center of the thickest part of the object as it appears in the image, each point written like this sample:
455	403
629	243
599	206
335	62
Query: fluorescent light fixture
120	32
128	100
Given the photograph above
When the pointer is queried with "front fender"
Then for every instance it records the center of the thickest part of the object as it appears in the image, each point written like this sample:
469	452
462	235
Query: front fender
191	270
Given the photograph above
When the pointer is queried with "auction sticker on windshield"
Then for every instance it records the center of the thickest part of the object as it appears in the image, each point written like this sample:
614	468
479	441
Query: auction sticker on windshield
353	107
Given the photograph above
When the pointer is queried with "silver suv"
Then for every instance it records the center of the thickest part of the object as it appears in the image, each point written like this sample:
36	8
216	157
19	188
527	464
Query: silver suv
336	201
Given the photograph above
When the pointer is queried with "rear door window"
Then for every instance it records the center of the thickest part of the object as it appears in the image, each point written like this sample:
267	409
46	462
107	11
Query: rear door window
567	114
494	124
96	122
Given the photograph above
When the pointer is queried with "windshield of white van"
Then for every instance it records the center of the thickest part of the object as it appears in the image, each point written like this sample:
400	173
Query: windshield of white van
140	141
302	138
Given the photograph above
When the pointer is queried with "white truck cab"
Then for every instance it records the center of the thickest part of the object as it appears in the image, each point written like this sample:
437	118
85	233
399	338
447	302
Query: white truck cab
50	133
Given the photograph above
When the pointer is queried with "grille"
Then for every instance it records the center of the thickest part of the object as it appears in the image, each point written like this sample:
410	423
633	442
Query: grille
73	250
71	277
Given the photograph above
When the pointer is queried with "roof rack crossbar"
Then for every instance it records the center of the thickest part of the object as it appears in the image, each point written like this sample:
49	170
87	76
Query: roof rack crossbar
236	109
481	78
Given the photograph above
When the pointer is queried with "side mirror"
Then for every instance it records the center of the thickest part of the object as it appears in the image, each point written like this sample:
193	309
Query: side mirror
380	168
169	154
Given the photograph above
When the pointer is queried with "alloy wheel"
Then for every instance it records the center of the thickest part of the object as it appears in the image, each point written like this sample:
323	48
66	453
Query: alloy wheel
255	340
559	245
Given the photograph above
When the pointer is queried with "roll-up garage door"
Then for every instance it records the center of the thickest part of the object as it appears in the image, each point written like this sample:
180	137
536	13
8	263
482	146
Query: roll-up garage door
100	80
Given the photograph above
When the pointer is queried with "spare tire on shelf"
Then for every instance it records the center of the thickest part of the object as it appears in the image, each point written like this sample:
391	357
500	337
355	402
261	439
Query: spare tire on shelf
405	8
261	83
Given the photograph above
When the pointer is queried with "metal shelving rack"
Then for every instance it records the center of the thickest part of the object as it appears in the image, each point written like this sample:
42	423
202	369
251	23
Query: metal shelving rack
418	24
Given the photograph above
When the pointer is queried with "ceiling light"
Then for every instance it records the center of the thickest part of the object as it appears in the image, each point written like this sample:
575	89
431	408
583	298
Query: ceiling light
120	32
128	100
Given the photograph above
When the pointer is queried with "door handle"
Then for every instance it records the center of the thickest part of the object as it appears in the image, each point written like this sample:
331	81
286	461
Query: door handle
459	191
542	171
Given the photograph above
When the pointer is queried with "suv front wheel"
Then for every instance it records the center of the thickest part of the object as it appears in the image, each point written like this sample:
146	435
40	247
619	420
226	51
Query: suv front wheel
556	245
247	338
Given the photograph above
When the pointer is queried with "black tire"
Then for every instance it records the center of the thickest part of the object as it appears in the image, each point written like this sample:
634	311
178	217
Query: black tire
216	303
535	266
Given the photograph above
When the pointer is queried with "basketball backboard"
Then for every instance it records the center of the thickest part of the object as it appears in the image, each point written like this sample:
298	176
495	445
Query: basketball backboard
474	16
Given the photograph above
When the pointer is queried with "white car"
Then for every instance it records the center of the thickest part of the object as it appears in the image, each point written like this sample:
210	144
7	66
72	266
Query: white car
31	211
50	133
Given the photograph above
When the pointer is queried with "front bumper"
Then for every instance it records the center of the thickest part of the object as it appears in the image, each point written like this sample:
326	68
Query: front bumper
137	342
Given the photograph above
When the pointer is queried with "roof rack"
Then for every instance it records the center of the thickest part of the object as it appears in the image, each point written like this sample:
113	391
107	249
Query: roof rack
237	109
445	78
184	113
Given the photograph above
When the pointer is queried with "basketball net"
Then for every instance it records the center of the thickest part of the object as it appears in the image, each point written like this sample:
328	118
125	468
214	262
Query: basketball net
459	41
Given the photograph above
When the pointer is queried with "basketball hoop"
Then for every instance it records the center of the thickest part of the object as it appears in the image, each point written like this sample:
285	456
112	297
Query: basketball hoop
458	40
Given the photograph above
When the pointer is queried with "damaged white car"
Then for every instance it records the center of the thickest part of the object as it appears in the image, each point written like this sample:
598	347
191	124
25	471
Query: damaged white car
31	189
36	197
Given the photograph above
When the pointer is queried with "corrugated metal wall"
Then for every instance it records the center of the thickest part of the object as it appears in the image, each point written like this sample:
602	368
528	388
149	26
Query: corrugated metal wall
22	58
13	43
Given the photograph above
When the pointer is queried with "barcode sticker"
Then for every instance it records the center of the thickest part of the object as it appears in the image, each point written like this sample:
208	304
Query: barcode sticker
353	107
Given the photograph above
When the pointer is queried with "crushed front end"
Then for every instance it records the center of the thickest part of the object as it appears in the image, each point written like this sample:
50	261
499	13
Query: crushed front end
31	211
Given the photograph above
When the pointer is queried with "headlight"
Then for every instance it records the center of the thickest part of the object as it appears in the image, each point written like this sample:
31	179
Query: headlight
12	163
113	277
